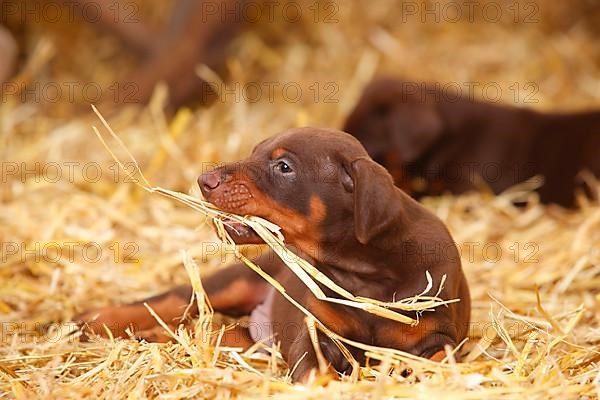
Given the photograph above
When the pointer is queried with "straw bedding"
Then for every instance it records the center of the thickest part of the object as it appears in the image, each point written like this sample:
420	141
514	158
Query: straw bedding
84	239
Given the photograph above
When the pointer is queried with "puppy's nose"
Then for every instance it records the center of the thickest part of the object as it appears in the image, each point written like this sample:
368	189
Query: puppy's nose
210	181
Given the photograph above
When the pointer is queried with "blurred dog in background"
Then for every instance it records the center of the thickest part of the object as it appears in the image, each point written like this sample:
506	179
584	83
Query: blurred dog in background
448	142
195	33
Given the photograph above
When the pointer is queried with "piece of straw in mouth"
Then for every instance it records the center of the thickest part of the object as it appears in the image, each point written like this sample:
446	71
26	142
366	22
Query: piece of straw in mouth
271	235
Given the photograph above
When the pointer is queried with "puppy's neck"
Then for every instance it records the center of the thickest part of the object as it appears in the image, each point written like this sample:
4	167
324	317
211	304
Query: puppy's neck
340	248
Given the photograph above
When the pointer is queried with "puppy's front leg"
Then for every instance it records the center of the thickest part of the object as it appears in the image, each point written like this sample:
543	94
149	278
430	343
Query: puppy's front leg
168	306
236	290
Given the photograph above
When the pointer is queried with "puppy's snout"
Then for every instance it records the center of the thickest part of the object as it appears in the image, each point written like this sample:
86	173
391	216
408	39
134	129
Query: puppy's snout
209	181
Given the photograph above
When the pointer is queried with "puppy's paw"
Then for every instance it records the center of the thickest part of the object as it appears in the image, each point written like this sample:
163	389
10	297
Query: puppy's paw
438	356
157	334
313	377
96	322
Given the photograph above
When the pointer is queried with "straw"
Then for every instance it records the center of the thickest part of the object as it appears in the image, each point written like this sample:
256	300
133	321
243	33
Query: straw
534	321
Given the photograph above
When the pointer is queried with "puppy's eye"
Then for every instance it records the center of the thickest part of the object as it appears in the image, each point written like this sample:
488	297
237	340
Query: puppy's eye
283	167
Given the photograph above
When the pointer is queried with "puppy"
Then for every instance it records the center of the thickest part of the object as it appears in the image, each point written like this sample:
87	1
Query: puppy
341	210
418	130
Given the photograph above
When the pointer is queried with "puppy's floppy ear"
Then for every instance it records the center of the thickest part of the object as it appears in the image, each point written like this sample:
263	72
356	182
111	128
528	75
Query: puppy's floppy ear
414	129
376	206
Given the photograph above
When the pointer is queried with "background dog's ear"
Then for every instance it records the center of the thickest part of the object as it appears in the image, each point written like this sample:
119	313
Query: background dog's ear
376	208
414	129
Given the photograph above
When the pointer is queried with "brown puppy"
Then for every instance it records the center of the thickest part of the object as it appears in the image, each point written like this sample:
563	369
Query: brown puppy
419	130
341	209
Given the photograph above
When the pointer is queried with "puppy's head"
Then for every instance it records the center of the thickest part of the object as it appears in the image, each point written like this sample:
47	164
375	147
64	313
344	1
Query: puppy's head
397	122
318	185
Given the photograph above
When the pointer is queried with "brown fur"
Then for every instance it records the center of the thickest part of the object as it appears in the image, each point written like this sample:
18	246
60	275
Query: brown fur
337	206
418	130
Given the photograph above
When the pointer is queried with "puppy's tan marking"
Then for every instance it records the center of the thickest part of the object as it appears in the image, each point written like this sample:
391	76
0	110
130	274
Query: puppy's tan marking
278	152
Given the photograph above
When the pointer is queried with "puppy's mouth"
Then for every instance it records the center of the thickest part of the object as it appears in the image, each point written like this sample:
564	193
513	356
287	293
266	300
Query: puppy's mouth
240	233
235	198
